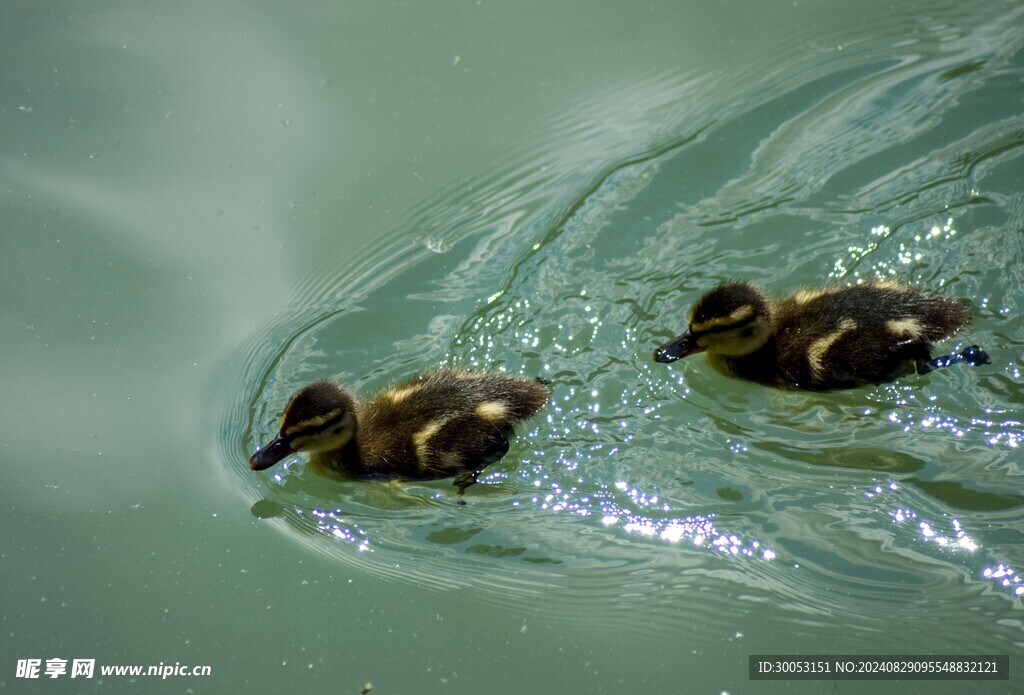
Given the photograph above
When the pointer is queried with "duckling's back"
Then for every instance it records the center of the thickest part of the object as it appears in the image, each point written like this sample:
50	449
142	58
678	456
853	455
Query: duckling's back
838	337
444	423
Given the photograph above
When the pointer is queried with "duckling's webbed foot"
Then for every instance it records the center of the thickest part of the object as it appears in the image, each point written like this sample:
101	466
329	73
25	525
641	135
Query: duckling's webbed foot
491	451
464	481
973	356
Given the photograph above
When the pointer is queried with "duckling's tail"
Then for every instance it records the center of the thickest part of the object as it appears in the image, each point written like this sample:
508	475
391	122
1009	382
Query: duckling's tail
541	380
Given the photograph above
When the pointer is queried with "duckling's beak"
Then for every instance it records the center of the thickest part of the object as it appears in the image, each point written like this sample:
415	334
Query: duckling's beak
684	345
273	452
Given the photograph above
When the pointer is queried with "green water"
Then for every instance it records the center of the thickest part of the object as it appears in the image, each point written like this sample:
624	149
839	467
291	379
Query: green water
206	205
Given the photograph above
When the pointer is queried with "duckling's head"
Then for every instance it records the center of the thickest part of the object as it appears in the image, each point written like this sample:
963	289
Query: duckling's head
320	417
732	320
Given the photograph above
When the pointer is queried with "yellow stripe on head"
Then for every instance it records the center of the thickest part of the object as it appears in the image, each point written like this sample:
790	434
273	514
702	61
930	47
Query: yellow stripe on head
740	315
313	422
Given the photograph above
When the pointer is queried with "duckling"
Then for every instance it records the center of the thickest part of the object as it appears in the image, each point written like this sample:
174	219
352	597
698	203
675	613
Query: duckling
821	339
439	424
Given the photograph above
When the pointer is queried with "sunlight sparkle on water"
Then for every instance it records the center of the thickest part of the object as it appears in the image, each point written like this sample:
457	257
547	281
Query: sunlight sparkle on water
1007	433
956	539
330	523
1006	577
614	511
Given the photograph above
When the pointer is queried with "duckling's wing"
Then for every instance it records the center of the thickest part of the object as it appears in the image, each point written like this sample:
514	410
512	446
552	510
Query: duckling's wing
445	423
862	334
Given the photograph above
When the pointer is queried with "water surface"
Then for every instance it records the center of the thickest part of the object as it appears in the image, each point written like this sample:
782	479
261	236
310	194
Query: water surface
203	215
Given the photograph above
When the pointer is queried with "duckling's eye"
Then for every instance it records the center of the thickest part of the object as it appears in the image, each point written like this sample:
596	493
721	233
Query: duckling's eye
747	332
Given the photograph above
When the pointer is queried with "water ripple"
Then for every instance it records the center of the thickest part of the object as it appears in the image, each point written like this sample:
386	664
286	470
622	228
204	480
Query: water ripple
642	484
